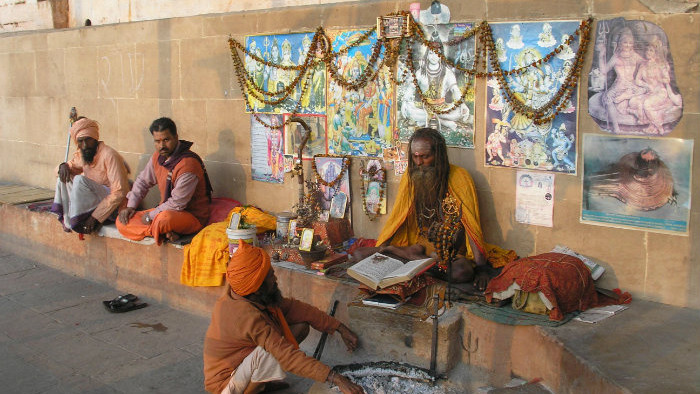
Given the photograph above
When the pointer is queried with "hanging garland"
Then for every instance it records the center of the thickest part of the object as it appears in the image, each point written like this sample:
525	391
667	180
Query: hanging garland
485	56
373	175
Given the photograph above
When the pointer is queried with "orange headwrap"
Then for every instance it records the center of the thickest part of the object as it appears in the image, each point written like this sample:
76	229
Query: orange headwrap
247	269
85	128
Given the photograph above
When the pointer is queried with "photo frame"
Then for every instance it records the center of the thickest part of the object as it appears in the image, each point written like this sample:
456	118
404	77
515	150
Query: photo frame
324	216
307	239
292	230
393	26
235	221
338	204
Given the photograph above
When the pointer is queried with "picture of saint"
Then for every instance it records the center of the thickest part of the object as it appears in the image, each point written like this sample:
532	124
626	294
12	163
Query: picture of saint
515	140
637	182
440	96
330	169
267	156
338	204
360	120
632	87
284	50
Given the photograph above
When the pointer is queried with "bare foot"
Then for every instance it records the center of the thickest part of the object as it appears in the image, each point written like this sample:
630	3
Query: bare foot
172	236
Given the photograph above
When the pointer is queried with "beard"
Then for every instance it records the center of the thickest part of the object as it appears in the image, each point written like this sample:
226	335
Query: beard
426	189
88	154
269	295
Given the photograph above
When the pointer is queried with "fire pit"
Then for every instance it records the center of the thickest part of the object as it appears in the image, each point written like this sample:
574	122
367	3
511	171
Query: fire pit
391	377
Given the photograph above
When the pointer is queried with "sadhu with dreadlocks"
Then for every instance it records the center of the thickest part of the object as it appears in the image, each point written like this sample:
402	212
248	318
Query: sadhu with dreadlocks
419	205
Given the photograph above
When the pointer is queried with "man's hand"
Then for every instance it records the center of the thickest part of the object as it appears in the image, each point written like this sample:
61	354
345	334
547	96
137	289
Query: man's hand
91	224
481	278
344	384
349	337
126	214
64	172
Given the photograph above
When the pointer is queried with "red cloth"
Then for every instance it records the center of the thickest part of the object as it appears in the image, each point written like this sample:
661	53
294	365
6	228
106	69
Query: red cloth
220	208
362	243
563	279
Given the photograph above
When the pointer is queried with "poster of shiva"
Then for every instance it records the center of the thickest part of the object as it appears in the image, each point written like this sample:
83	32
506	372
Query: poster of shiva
284	51
637	182
433	92
267	149
360	121
512	139
294	133
632	84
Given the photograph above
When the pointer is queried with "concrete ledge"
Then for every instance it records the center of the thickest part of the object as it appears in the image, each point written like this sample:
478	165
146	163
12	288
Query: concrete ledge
110	231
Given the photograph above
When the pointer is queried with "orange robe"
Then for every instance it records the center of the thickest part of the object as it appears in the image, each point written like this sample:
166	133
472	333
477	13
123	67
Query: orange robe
402	229
188	221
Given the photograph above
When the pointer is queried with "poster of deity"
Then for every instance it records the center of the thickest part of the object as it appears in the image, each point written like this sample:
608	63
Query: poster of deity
315	145
436	94
267	150
359	121
331	170
512	139
285	50
632	85
635	182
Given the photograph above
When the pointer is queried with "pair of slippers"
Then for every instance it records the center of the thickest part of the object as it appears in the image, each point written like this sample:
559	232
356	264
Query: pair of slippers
123	303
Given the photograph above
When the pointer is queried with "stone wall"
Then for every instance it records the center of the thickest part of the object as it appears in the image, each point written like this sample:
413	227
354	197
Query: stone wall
125	75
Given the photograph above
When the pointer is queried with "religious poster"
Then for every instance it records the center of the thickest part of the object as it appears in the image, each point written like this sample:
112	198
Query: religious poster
286	50
360	121
315	145
534	198
434	93
373	184
334	173
513	139
632	84
638	183
266	150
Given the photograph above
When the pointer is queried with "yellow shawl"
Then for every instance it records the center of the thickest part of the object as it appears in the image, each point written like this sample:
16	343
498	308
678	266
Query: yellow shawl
403	232
206	257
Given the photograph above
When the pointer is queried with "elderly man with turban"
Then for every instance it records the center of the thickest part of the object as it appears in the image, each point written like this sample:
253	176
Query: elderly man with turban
254	332
92	185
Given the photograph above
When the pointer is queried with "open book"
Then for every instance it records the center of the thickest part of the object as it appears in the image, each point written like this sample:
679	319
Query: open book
379	271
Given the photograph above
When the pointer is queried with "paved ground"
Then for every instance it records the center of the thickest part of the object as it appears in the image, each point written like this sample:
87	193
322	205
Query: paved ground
56	337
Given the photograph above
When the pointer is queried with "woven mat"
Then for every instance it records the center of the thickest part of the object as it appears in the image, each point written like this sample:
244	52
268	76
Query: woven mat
21	194
507	315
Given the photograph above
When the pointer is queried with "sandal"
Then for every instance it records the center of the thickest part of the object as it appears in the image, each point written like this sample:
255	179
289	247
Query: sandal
123	303
123	307
125	298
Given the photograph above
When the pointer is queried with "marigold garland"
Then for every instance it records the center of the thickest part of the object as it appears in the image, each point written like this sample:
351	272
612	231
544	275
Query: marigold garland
485	56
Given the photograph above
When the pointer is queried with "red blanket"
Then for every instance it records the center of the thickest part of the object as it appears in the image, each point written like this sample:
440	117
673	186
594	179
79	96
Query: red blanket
563	279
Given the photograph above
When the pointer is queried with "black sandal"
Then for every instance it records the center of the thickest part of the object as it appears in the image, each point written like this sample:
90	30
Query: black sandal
123	303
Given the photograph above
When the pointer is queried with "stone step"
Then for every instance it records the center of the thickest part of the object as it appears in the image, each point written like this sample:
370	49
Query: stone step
390	336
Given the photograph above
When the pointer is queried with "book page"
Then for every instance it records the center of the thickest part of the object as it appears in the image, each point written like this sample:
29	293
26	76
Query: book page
409	269
372	269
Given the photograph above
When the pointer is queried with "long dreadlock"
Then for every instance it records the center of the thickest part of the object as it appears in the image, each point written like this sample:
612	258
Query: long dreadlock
439	150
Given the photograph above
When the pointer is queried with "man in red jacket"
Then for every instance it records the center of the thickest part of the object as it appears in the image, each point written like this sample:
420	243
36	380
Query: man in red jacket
254	332
184	186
